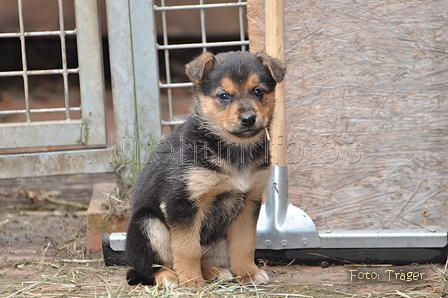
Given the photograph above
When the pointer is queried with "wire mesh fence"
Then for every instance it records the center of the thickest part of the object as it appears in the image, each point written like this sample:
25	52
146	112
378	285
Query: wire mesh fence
174	85
26	77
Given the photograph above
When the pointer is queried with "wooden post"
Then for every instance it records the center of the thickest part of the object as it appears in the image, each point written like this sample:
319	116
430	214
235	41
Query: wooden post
275	47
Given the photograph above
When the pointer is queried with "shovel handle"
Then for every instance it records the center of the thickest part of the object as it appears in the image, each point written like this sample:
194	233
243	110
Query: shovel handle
275	47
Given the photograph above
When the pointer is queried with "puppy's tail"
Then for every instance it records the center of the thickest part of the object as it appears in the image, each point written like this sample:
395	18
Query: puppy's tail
134	278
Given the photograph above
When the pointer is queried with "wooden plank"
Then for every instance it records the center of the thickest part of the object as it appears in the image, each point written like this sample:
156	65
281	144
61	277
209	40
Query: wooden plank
48	133
75	187
275	40
57	163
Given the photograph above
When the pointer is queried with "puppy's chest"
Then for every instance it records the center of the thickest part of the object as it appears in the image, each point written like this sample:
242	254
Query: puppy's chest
205	182
219	215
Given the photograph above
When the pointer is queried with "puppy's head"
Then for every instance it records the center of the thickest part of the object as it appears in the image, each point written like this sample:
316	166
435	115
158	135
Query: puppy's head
235	93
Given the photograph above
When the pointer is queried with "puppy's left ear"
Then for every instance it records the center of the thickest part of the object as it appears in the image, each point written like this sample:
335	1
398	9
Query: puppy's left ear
276	67
196	68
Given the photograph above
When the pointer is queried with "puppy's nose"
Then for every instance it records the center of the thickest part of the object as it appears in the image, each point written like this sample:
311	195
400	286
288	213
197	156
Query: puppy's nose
248	119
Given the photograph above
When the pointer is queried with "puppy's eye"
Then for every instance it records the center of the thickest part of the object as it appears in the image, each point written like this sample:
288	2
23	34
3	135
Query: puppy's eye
224	96
258	92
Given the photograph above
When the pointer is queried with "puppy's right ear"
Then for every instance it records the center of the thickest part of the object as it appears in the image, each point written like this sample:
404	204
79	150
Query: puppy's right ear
196	68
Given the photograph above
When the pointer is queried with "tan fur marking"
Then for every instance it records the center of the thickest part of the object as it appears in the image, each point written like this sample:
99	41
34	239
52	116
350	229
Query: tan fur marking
187	253
261	179
230	117
210	183
209	106
215	118
267	108
229	86
159	236
252	81
242	234
242	241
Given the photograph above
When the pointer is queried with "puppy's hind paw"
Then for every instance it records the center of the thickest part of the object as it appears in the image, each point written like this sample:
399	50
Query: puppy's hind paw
134	278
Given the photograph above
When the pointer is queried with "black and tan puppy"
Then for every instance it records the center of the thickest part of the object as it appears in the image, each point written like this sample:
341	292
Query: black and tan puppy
196	203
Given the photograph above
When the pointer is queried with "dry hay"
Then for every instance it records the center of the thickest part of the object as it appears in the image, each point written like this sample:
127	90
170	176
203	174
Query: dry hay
76	278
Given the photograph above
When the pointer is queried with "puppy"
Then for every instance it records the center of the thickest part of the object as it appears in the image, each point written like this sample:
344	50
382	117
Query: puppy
197	200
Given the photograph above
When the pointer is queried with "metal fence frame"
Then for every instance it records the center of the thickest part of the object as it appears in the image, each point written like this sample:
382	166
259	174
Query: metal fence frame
89	130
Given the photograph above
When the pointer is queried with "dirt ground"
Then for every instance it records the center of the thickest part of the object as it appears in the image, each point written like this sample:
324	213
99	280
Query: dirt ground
42	253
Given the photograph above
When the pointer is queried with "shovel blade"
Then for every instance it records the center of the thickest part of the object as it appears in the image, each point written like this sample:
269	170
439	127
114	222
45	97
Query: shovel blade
280	224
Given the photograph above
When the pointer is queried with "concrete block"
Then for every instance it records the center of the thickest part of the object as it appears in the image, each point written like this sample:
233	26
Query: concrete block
99	221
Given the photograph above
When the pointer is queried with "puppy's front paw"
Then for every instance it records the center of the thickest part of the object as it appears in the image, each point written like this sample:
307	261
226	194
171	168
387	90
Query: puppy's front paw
170	279
193	282
216	273
260	277
166	279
